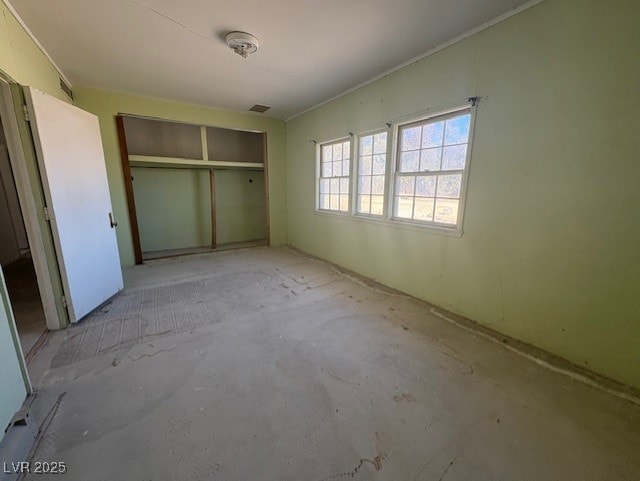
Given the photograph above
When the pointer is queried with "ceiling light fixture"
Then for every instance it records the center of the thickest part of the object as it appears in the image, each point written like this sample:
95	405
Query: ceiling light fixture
242	43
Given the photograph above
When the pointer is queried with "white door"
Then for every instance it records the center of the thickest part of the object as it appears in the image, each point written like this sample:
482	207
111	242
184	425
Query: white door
74	178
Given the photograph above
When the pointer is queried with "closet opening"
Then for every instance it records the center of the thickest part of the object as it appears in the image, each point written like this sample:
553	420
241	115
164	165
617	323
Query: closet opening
192	188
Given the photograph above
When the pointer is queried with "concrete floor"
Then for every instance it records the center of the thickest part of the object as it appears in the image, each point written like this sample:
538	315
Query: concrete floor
281	368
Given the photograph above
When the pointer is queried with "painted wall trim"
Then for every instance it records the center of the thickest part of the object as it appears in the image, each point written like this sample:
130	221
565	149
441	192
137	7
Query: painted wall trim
28	207
428	53
36	41
566	368
187	122
6	305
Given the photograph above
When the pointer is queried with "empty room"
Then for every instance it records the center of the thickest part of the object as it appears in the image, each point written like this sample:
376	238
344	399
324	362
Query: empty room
304	240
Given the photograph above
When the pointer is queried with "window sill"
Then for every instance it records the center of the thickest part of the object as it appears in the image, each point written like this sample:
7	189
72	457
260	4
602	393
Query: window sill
393	223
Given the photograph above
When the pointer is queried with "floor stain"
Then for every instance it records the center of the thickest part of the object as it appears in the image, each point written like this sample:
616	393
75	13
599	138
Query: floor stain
404	397
375	462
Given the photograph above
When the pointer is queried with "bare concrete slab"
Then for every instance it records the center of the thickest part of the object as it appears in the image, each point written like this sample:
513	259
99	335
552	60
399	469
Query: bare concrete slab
292	371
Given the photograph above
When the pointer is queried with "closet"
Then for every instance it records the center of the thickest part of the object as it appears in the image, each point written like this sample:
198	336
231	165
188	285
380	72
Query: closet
192	188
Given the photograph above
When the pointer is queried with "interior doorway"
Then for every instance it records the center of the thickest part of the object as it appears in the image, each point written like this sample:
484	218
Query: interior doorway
17	262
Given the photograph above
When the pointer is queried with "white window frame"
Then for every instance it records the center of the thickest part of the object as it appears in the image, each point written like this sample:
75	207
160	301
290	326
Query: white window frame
387	170
318	179
395	160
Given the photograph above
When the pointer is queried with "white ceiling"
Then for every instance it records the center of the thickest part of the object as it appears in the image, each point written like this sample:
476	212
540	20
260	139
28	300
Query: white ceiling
310	50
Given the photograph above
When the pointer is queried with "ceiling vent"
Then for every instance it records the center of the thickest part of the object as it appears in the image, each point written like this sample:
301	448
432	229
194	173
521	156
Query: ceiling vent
259	108
242	43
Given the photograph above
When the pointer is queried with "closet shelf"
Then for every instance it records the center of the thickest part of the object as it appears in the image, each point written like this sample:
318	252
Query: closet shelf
176	162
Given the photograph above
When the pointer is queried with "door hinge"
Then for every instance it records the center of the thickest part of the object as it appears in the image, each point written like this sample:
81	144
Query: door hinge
46	213
64	301
26	113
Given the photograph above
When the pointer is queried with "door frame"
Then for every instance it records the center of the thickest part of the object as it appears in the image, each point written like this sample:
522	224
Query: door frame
30	195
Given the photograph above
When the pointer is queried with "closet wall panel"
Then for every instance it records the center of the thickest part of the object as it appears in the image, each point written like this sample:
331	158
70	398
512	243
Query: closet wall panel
240	205
173	207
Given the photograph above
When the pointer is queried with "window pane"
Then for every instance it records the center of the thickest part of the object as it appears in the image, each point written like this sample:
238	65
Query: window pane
345	167
380	143
432	135
344	185
377	185
446	211
409	161
377	204
457	130
423	209
404	185
449	185
346	150
335	172
365	166
337	152
366	145
411	138
426	186
364	185
426	149
363	204
327	153
379	164
430	160
404	207
344	202
454	157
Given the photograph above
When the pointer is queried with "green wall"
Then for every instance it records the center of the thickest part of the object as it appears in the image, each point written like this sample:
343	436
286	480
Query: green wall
23	61
240	206
550	251
173	207
13	391
108	104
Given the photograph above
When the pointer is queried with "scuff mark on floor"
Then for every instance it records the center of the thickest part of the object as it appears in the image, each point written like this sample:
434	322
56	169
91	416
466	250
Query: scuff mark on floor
117	361
469	369
448	467
338	378
375	462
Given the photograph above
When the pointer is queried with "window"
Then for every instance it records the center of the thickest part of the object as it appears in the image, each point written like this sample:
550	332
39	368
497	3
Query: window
335	165
372	166
430	169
